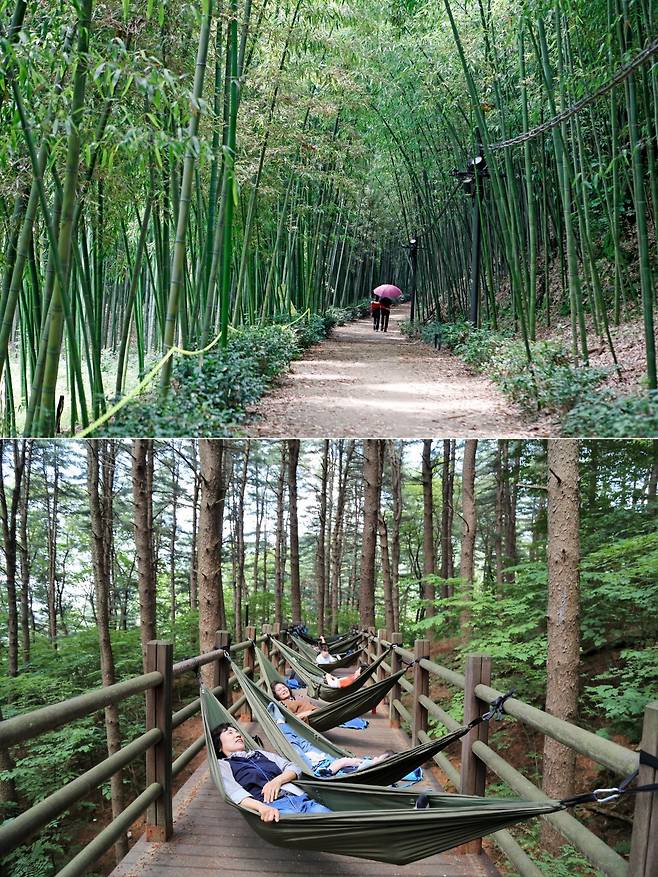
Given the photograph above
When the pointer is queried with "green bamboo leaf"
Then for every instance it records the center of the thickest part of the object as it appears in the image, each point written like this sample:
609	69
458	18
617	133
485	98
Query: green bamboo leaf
126	9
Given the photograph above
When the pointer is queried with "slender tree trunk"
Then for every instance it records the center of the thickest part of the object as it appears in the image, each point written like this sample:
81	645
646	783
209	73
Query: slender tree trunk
280	536
240	582
295	590
24	550
563	559
320	567
395	459
386	576
9	514
172	538
142	481
428	530
8	800
52	510
98	504
345	455
212	616
466	566
498	520
372	487
195	509
446	518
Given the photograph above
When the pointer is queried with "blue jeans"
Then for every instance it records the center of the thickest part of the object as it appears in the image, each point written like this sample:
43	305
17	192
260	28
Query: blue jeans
298	804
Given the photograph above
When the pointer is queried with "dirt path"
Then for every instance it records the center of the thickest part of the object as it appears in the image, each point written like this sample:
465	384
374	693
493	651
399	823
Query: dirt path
360	383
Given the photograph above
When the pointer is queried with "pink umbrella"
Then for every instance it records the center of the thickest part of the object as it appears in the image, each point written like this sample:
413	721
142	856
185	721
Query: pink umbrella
387	290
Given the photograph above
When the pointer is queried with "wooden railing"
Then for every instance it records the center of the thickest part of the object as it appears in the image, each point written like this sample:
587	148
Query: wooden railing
155	744
477	755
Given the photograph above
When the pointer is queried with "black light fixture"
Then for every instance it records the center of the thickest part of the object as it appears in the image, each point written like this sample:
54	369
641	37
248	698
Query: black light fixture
472	181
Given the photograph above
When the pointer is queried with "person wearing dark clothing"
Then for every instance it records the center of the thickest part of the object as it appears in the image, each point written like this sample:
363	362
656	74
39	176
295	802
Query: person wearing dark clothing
384	313
258	780
375	311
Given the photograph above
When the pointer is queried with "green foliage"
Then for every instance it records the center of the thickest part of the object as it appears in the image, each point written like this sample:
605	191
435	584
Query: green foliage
626	690
554	383
210	396
607	414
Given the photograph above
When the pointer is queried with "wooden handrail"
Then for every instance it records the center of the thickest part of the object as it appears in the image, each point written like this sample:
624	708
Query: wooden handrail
604	752
18	729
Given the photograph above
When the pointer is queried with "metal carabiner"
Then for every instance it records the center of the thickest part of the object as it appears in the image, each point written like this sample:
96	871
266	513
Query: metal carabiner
602	796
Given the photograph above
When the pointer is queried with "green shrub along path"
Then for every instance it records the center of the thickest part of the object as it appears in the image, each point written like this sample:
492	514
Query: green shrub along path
360	382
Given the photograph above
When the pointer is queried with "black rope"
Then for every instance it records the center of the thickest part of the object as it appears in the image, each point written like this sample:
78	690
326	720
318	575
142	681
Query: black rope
495	710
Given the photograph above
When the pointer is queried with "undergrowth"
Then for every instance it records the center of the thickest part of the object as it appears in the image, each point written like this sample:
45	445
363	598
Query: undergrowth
209	396
553	383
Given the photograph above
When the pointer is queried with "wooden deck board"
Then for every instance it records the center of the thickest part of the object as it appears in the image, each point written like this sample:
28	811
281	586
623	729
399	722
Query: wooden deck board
211	838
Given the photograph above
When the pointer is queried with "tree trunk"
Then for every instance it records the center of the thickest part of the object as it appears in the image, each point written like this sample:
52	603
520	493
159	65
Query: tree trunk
212	616
386	576
499	516
395	460
240	582
100	456
24	549
9	515
563	559
194	600
446	519
172	536
345	455
142	481
52	510
320	567
280	537
428	530
372	486
295	590
8	802
466	566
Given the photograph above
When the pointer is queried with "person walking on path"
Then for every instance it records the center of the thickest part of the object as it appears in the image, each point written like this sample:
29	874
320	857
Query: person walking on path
375	311
384	313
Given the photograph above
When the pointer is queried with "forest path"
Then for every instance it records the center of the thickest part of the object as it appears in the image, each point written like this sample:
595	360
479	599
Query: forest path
361	383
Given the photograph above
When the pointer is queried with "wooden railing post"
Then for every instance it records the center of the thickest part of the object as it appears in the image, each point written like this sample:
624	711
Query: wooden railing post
644	840
396	691
266	630
421	686
371	644
474	771
382	635
159	816
279	662
222	667
248	663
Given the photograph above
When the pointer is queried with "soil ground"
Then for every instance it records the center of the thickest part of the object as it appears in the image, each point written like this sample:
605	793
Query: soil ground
365	383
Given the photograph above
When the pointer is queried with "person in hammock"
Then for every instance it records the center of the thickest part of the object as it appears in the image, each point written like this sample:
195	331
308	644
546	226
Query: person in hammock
297	705
325	656
322	763
334	682
258	780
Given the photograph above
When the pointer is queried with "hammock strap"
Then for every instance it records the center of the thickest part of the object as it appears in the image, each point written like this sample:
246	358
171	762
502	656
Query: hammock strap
495	710
603	796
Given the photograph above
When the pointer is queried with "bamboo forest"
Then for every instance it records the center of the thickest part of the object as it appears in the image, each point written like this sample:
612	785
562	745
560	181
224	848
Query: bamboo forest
193	193
539	555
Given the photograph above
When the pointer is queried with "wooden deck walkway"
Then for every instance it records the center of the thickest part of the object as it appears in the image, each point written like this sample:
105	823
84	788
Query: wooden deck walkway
211	838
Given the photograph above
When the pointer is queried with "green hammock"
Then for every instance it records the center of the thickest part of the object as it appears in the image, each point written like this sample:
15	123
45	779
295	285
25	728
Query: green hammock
314	683
342	645
308	654
369	822
333	714
384	773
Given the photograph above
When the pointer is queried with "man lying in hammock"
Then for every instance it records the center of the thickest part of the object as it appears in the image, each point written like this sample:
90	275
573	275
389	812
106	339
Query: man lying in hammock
322	763
259	781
